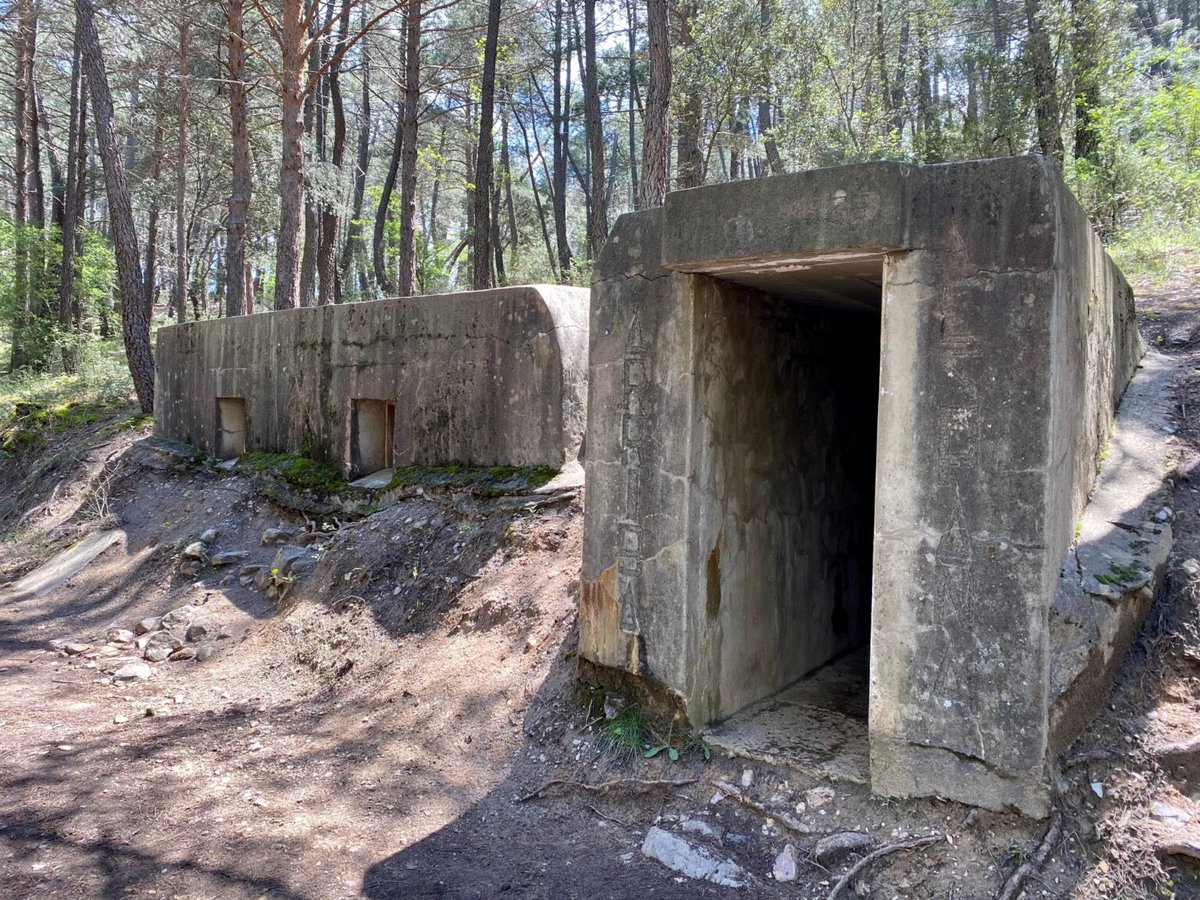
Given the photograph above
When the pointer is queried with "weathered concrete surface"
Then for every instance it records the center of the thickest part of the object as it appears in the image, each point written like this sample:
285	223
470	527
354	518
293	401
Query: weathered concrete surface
62	566
1110	575
1007	338
486	378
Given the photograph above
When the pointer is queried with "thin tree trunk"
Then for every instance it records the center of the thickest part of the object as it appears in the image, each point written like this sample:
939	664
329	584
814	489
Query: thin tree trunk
485	153
407	281
135	325
656	148
76	160
331	289
537	198
690	169
598	220
506	165
181	179
1045	104
237	300
314	121
383	277
20	356
355	252
560	126
635	195
150	273
291	166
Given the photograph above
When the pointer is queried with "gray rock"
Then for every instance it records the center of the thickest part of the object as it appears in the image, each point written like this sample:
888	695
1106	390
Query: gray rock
149	624
190	568
74	648
228	557
181	615
1168	813
252	569
246	580
198	631
195	550
142	640
276	536
691	860
121	636
1188	847
203	654
210	536
134	671
289	558
787	864
834	846
183	653
161	645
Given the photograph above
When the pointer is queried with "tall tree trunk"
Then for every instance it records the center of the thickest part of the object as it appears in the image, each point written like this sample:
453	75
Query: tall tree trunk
383	277
690	170
58	188
291	166
598	220
37	196
181	180
510	206
314	129
237	300
485	155
21	356
537	198
76	160
150	273
656	129
355	252
407	282
331	289
135	325
1045	92
560	126
1085	51
635	195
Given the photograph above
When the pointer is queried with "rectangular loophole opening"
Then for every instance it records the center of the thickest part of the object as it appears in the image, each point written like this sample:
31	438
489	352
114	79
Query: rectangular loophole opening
372	435
231	427
789	384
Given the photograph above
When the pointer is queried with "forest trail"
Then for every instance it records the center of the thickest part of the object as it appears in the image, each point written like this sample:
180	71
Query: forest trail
380	736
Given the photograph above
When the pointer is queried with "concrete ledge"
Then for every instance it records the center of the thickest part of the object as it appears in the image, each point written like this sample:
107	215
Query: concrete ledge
1110	575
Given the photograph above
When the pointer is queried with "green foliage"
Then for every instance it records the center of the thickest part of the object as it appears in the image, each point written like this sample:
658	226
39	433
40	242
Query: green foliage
625	733
493	481
103	380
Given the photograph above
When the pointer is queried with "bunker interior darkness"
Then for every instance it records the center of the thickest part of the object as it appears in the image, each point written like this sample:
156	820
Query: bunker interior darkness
844	415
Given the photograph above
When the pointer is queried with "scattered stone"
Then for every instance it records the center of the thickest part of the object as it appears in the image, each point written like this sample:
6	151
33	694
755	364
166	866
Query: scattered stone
132	672
120	720
288	558
195	550
121	636
210	536
249	570
197	631
161	645
107	650
1164	514
152	623
747	777
1098	789
182	653
703	829
181	615
1169	813
275	536
818	796
835	846
190	568
74	648
246	580
228	557
142	640
787	864
1191	567
688	859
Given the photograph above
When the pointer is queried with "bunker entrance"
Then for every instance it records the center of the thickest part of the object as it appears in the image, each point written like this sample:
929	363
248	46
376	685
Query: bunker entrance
231	427
790	384
372	436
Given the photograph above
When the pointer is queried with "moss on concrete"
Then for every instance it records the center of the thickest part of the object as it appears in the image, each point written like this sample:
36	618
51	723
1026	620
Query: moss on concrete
494	481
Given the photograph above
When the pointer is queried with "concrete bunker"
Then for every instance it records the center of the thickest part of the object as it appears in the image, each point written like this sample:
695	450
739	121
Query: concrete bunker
855	415
231	427
480	378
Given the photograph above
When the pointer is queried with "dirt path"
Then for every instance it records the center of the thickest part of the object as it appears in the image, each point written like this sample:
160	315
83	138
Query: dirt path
374	739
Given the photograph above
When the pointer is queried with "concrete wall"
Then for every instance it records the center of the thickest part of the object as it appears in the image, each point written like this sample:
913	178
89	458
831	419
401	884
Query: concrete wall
487	378
1007	338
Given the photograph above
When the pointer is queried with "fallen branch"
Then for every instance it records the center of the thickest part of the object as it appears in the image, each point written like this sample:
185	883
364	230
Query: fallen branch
787	821
605	786
882	851
608	817
1016	881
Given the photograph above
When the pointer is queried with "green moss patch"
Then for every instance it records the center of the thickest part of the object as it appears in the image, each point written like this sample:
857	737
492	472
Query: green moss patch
299	471
30	423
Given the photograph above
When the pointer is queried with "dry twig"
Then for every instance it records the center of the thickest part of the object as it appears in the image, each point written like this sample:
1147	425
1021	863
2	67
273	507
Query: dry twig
910	844
787	821
605	786
1016	881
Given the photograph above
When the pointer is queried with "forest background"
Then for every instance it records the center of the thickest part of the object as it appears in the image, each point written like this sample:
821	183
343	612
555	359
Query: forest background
169	161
